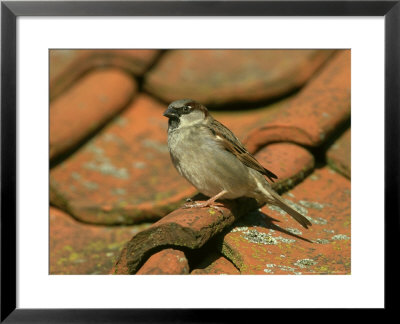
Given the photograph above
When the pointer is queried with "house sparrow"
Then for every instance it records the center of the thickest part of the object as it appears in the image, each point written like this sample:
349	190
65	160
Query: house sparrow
212	159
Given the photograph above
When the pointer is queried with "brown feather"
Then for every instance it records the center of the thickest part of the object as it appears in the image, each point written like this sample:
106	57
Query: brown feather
232	144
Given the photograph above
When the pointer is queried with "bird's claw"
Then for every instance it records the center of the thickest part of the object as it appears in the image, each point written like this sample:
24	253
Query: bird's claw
193	204
202	205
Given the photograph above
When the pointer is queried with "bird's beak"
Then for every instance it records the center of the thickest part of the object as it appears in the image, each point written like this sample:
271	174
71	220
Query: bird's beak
171	113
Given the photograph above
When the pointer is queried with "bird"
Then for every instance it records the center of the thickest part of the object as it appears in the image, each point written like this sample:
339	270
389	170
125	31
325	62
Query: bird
208	155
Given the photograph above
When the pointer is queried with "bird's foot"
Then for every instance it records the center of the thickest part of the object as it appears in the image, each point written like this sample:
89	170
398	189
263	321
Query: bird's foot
208	203
195	204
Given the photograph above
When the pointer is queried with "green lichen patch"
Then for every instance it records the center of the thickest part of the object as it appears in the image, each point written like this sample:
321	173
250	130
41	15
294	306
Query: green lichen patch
340	237
257	237
312	204
303	263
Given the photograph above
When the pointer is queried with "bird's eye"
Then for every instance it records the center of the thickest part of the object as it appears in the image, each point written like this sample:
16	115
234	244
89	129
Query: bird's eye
186	108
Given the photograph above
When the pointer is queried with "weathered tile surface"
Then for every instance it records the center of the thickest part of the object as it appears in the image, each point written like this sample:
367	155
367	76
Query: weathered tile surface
222	76
290	162
245	120
267	242
271	242
67	66
168	261
61	60
194	227
77	248
185	228
120	266
339	154
313	114
220	266
92	100
124	175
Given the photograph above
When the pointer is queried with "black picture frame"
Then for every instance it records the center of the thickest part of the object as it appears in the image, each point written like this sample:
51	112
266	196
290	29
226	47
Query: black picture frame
10	10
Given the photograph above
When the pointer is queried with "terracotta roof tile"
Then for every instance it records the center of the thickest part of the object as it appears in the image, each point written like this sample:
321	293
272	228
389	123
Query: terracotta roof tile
168	261
220	266
77	248
183	228
223	76
67	66
61	60
124	175
271	242
192	228
290	162
267	242
312	115
339	154
86	106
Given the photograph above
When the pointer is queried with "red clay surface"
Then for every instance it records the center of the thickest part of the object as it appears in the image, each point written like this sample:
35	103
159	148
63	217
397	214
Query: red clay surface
124	175
112	166
168	261
271	242
77	248
314	114
86	106
219	266
290	162
224	76
68	66
339	154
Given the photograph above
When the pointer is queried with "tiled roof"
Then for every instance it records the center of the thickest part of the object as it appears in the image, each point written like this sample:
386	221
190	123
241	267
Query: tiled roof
111	171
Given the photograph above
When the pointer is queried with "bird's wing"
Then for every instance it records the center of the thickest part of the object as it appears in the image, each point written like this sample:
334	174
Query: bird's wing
232	144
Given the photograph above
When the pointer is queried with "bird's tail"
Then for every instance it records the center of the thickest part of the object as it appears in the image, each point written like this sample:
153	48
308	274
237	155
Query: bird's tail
278	201
295	214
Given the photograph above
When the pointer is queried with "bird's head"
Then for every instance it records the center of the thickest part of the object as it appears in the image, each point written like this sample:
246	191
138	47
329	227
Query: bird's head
185	112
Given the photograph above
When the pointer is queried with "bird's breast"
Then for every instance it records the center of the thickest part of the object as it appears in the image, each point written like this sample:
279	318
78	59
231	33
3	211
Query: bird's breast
205	164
